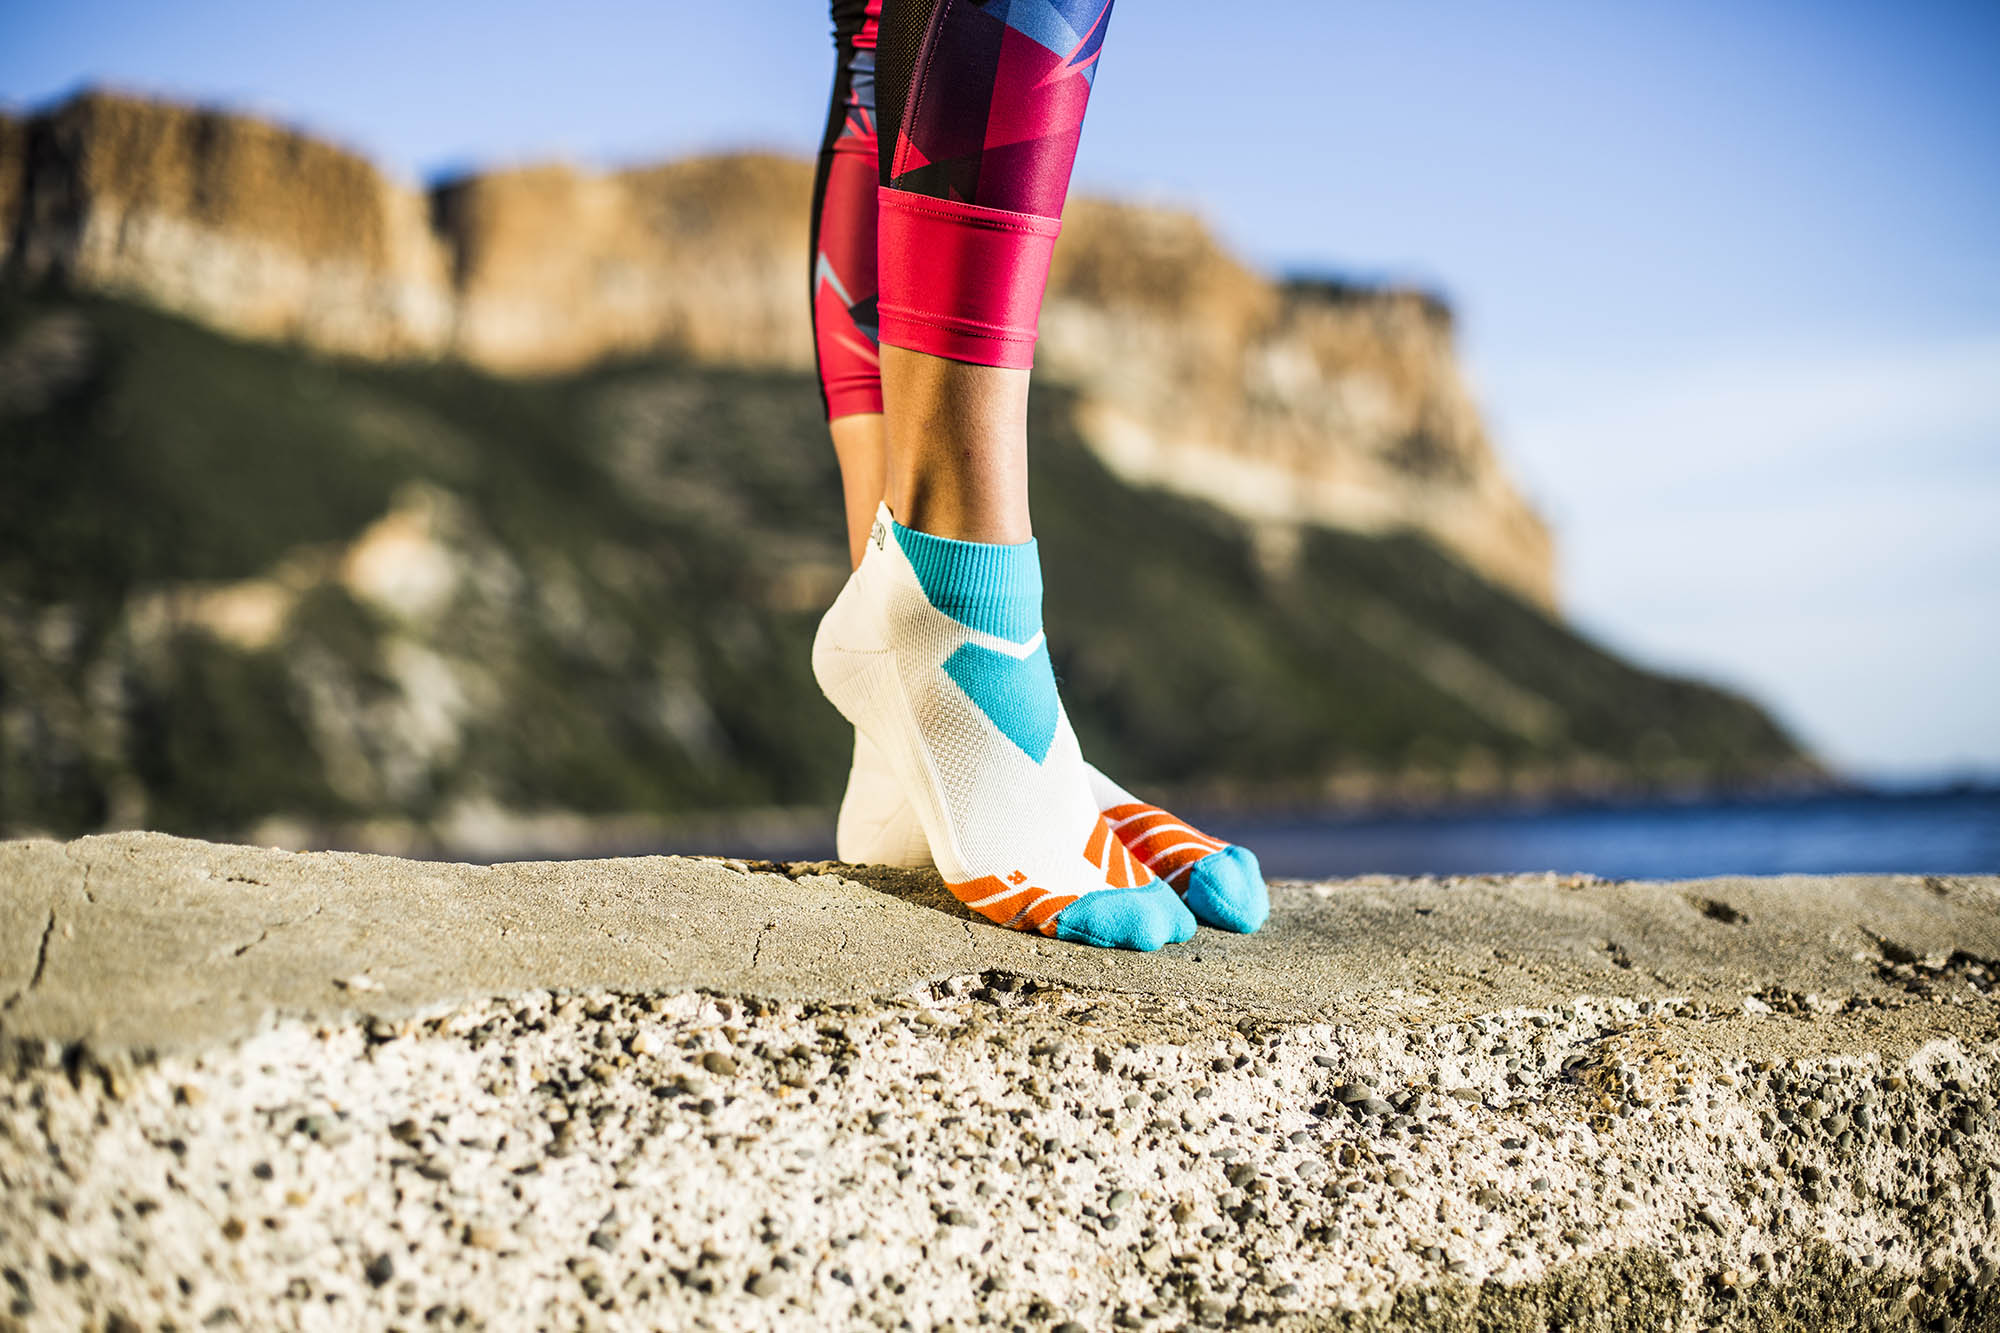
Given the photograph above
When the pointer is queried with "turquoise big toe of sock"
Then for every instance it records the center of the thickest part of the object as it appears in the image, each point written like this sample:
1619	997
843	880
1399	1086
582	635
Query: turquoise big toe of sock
1226	890
1144	918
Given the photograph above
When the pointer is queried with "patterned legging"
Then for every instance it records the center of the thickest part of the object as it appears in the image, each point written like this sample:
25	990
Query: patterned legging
941	180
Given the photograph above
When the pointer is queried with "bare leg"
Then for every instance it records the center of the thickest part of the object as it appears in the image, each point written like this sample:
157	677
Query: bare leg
955	462
957	447
859	445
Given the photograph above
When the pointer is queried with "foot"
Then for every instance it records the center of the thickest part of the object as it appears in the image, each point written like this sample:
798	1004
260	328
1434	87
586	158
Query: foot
1220	882
934	651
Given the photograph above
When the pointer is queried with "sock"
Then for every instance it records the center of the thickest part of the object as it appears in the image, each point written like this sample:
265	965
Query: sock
1221	882
934	651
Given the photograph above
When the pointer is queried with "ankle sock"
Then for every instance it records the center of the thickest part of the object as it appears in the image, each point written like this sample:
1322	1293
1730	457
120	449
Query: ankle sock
934	651
1221	882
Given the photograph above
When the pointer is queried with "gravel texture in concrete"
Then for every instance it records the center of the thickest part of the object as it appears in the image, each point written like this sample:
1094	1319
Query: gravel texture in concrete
256	1088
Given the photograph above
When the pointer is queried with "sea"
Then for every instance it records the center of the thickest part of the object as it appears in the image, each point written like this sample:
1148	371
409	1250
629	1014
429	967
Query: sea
1937	830
1951	830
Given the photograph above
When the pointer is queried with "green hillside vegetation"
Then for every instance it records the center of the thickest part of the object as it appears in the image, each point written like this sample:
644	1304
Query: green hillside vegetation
624	570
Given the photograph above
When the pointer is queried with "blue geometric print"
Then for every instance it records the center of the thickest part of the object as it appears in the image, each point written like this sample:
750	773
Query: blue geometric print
1041	21
1018	694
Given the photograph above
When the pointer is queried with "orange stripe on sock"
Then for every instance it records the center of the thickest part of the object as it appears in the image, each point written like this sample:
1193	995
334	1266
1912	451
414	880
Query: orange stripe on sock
1042	916
1160	839
1022	919
1138	830
1171	865
1141	825
1002	908
1006	911
1093	851
1135	817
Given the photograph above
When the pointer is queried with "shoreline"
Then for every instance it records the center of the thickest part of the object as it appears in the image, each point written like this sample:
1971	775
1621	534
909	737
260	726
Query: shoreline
490	834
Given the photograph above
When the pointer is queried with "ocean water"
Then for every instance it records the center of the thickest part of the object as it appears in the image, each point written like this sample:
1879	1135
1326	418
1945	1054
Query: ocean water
1936	832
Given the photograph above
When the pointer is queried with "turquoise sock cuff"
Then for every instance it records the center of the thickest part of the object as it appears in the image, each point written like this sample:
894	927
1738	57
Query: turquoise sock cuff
990	587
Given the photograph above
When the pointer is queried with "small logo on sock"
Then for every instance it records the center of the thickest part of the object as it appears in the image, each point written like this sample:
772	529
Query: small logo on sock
1017	878
879	535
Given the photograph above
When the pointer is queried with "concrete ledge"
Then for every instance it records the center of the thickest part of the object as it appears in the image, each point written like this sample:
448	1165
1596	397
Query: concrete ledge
142	943
348	1091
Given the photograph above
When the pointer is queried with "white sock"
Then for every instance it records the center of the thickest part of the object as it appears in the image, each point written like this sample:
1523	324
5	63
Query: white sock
934	651
877	824
1221	882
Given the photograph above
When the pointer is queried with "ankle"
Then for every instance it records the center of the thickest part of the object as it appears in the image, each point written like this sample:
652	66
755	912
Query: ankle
962	511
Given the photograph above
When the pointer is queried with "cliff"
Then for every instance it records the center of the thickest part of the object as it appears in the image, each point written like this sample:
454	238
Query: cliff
246	587
233	221
1292	405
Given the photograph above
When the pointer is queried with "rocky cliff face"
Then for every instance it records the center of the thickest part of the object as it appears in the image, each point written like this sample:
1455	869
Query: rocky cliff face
252	228
1292	405
1288	404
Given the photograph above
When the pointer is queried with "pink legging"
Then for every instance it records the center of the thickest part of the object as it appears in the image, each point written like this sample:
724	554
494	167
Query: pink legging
941	180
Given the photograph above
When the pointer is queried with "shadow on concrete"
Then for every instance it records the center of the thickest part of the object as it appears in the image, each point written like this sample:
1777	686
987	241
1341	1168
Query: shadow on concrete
924	888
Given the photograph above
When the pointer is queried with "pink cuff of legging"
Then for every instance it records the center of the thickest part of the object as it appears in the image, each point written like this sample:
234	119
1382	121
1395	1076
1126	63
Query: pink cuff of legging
961	281
853	396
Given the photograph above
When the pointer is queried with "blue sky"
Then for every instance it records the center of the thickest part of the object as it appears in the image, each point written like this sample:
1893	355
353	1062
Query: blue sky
1728	274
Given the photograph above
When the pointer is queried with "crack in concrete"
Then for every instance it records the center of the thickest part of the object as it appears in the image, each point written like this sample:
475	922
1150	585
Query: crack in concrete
48	931
265	933
41	963
71	853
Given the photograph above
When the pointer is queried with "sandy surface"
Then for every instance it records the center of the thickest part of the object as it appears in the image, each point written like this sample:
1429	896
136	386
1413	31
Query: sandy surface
253	1087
